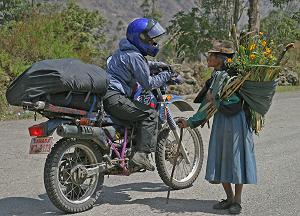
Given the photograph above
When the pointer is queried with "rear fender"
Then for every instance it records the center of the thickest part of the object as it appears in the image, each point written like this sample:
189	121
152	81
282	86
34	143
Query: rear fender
179	102
52	124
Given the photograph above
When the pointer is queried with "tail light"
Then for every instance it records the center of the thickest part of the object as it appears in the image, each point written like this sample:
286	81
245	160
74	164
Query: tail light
37	130
84	121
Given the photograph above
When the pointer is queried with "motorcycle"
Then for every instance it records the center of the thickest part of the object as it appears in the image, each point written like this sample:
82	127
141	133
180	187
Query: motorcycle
94	144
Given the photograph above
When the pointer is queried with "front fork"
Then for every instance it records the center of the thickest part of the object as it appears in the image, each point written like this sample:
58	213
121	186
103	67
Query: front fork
173	127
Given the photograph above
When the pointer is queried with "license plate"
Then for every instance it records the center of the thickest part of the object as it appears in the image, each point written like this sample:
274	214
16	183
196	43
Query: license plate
40	145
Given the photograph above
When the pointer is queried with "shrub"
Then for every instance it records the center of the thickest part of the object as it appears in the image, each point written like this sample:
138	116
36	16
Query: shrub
48	33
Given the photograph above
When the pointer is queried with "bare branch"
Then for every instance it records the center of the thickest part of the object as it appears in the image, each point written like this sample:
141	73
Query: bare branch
242	11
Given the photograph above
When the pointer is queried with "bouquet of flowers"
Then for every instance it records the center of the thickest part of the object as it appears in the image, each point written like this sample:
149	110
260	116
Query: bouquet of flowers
256	59
255	55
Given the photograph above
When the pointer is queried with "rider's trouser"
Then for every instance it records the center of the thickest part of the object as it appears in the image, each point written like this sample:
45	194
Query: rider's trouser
144	117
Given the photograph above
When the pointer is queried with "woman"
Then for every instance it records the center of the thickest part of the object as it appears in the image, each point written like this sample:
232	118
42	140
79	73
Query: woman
231	158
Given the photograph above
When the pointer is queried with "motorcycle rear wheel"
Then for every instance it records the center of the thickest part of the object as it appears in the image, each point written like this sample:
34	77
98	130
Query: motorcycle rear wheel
66	181
185	174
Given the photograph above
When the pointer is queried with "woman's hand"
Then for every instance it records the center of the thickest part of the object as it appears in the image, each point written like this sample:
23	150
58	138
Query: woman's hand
182	123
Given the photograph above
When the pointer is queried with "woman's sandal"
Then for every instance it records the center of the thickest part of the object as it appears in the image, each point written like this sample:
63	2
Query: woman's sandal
224	204
235	208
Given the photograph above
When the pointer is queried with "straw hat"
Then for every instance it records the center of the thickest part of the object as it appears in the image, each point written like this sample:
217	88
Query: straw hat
222	46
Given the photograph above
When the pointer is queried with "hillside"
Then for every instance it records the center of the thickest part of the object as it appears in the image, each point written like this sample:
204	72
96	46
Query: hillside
119	12
126	10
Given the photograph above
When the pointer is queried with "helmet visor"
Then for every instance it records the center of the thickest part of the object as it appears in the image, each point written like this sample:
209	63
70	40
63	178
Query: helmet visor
156	31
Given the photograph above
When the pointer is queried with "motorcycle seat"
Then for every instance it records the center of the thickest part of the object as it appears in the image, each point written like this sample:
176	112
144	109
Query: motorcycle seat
112	121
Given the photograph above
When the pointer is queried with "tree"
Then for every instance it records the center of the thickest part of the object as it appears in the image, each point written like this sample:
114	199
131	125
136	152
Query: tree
236	12
192	32
85	27
150	10
253	14
287	27
279	3
12	10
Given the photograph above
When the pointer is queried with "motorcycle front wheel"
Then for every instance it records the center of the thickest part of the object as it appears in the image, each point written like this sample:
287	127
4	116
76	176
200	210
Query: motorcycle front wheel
69	185
185	173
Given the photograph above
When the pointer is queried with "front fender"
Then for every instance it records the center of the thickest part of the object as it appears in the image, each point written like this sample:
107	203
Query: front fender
179	102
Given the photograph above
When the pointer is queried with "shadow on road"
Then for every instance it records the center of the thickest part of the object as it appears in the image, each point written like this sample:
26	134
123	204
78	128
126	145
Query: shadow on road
118	195
27	206
180	206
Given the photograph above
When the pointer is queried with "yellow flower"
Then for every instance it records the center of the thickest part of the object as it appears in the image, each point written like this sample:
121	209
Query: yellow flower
267	51
261	33
264	43
229	60
252	56
252	47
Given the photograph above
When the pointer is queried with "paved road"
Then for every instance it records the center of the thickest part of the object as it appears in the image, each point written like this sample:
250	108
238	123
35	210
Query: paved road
277	192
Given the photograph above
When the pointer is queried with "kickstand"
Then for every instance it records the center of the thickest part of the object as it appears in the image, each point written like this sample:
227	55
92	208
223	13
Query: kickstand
175	162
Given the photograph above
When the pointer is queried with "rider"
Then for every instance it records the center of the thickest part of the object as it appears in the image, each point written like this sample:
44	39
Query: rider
125	68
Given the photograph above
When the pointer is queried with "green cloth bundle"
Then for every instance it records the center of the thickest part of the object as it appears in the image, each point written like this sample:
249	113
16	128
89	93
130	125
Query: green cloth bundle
258	95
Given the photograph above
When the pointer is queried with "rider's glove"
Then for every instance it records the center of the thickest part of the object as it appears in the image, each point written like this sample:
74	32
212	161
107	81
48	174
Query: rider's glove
179	79
157	67
176	79
161	65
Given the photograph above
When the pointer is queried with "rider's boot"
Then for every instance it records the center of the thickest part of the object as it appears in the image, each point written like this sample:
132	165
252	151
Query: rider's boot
140	159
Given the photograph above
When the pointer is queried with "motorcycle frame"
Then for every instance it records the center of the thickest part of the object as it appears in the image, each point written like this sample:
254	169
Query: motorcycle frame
165	116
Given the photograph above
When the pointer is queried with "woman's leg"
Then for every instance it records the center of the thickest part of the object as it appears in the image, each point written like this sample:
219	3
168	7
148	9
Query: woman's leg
238	193
228	190
236	207
225	204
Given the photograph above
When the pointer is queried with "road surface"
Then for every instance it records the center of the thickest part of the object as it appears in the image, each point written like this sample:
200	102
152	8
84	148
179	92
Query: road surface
277	192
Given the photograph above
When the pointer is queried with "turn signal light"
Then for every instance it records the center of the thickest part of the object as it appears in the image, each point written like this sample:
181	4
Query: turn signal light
37	130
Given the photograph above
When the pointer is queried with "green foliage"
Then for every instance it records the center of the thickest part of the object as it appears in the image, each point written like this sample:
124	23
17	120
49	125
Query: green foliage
287	27
47	32
84	28
220	13
73	32
13	10
150	10
287	30
192	32
279	3
256	56
188	31
35	38
287	88
10	67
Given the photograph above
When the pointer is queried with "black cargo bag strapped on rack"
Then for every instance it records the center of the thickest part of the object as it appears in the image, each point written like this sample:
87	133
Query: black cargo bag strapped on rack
62	82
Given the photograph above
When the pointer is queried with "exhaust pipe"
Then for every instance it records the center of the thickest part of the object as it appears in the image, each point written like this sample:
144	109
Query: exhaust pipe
84	132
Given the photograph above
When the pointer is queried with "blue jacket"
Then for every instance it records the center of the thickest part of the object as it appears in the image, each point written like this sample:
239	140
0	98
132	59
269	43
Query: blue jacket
128	66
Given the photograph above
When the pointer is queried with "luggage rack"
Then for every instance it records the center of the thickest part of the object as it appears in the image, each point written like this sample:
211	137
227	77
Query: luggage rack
50	110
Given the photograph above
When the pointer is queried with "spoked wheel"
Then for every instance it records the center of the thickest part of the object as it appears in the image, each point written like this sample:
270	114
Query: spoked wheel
71	180
186	171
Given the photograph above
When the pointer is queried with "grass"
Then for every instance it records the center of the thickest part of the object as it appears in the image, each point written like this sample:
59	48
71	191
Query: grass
287	88
15	113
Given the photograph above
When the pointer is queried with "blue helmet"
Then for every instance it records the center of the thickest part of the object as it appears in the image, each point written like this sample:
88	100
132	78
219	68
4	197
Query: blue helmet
141	33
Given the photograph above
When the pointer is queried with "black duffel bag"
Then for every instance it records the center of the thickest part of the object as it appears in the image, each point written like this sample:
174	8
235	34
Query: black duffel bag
76	100
54	80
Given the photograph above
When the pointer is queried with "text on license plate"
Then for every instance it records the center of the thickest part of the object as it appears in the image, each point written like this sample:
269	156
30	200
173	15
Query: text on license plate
40	145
